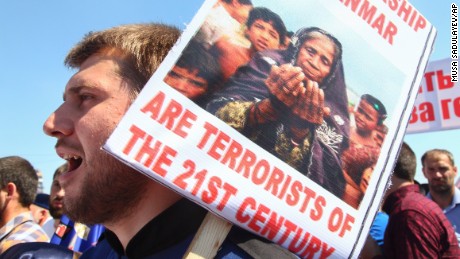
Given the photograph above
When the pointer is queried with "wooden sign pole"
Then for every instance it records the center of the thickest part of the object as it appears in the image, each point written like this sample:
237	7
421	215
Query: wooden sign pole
208	238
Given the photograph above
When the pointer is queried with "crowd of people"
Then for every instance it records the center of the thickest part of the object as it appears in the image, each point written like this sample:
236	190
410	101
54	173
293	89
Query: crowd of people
27	219
411	224
284	91
415	225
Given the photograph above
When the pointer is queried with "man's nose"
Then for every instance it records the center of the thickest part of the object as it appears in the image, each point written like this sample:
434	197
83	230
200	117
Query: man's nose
57	124
48	126
438	173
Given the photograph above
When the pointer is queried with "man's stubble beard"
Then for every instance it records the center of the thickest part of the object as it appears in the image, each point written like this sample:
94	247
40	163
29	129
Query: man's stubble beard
56	213
109	192
444	189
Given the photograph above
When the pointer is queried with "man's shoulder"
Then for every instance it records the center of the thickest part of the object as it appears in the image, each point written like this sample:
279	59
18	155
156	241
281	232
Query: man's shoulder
28	231
101	250
456	199
238	244
255	246
419	203
25	232
407	202
38	250
417	210
453	210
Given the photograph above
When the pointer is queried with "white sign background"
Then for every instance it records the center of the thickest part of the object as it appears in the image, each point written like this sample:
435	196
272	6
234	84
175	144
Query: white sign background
437	106
297	213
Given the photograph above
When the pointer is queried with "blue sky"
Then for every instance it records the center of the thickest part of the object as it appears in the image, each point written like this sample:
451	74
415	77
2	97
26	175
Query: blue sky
36	36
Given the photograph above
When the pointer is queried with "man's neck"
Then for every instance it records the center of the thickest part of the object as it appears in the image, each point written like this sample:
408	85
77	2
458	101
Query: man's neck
9	213
396	183
157	199
443	199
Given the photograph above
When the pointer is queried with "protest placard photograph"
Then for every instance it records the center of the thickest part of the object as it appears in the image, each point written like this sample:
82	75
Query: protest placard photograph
292	134
271	129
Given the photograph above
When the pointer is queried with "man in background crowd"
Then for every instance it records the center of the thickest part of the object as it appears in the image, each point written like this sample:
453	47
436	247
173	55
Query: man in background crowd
41	214
440	171
56	202
417	227
18	187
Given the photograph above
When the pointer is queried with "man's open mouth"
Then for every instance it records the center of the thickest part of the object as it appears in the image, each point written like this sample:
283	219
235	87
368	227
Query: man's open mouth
73	162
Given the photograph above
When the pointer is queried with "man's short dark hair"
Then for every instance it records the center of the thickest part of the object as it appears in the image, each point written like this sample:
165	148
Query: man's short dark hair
17	170
438	151
141	49
267	15
406	164
60	170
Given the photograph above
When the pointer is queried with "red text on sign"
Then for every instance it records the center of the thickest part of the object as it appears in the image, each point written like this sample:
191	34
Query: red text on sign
443	81
261	219
338	221
152	153
261	172
171	114
424	112
209	193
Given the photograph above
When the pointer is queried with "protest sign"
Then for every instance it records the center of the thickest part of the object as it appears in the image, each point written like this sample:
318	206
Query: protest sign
437	106
283	175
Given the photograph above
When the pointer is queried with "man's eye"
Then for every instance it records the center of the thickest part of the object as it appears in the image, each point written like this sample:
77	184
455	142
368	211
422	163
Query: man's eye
85	97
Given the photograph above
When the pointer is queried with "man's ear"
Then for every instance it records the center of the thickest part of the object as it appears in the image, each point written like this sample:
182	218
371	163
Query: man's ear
43	216
10	189
423	171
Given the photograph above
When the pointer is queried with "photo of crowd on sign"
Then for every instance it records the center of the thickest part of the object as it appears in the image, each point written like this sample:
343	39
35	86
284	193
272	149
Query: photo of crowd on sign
283	87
